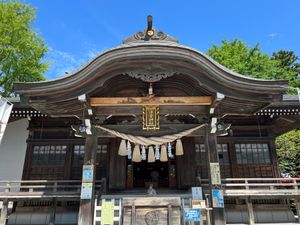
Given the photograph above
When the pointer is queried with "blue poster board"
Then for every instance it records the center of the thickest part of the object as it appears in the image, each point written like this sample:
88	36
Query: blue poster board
87	173
191	214
218	198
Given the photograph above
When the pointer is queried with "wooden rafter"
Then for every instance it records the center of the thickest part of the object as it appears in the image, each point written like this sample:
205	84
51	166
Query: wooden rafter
135	101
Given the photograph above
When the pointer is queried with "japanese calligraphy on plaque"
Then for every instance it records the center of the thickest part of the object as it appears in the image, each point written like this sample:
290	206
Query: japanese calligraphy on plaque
151	117
215	174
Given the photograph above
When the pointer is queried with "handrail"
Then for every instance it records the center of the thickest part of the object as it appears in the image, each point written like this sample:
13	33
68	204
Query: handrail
43	188
231	186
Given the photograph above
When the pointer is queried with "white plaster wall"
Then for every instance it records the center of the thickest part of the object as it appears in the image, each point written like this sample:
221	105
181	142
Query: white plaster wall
13	149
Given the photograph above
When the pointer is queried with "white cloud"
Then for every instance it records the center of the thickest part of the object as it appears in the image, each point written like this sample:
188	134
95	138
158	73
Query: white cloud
65	62
273	35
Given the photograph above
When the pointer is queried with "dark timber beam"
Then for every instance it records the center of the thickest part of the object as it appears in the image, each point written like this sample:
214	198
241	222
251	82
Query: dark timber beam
86	208
218	214
131	101
163	110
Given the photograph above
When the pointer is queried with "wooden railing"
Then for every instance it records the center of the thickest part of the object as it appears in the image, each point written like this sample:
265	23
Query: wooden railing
43	189
261	186
71	188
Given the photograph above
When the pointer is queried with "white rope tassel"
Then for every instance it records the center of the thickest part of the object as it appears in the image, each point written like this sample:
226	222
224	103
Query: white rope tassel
179	147
163	154
129	150
123	148
136	157
151	157
157	156
144	155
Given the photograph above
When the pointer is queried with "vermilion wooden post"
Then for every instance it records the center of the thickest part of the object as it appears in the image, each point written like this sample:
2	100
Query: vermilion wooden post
218	214
86	209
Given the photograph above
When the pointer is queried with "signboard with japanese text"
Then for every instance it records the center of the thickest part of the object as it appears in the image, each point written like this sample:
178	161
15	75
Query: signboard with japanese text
88	173
191	214
197	193
86	191
107	213
215	173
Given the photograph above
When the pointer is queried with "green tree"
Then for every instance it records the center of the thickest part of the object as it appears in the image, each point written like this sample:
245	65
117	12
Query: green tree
251	61
21	48
288	150
289	61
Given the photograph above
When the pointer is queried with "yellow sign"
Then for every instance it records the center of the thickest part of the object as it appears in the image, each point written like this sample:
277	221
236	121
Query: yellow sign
107	213
151	117
215	173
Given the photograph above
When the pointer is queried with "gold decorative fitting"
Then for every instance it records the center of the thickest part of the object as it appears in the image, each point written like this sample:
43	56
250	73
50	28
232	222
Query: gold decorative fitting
151	117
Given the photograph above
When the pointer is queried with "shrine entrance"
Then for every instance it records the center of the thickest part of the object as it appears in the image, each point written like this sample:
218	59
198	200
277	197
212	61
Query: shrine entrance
159	174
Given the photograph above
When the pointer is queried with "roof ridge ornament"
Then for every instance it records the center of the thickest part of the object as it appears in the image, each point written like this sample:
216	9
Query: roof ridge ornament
149	34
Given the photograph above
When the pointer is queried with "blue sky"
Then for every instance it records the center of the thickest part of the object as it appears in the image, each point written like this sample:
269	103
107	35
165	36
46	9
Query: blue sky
77	30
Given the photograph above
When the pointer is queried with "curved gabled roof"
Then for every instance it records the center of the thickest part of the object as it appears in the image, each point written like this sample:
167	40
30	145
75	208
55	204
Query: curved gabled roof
160	57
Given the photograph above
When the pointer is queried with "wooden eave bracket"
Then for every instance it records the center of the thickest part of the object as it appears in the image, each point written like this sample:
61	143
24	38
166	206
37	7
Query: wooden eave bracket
219	97
85	101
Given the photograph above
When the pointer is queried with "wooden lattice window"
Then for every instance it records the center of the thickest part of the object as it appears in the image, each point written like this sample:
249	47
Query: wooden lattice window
222	152
78	158
49	155
254	153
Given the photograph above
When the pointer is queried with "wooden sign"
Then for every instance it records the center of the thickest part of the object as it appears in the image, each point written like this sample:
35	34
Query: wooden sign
151	117
215	173
199	204
151	210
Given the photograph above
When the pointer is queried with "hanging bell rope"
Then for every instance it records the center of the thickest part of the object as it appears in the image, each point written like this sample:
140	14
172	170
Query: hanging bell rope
151	140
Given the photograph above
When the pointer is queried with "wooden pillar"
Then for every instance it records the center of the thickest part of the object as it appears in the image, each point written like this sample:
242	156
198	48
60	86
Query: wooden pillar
4	210
86	208
53	212
251	220
218	214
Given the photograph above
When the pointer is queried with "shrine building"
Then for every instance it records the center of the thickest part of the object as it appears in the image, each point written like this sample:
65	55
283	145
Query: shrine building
142	133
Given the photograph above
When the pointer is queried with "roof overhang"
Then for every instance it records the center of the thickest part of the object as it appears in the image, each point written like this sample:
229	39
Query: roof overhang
148	61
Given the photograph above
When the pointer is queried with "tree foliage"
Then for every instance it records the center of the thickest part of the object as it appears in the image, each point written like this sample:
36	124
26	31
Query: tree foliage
289	61
251	61
21	48
288	150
